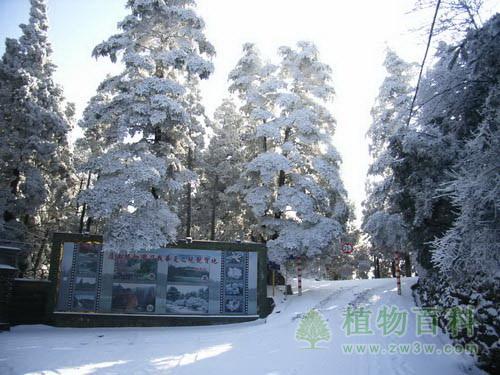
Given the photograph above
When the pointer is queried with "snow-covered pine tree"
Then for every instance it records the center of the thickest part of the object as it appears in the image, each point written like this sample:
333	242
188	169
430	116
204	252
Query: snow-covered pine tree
256	84
449	173
143	116
447	112
191	155
473	241
427	152
382	216
311	202
229	218
89	148
245	76
293	185
36	178
362	261
391	109
82	152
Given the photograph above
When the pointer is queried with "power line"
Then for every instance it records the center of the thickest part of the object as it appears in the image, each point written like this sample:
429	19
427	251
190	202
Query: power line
423	61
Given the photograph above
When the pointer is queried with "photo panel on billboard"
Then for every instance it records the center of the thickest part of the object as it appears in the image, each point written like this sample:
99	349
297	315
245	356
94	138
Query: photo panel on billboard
167	281
193	276
133	298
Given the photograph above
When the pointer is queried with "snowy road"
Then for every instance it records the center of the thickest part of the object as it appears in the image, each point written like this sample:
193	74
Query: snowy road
261	347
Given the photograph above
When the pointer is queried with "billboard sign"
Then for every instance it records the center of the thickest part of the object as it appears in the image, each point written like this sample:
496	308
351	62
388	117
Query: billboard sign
166	281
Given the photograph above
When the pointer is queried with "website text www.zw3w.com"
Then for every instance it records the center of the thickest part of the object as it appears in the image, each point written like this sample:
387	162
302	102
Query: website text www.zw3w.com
408	348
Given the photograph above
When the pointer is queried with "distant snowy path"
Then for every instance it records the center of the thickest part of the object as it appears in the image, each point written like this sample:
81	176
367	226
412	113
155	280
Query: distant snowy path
261	347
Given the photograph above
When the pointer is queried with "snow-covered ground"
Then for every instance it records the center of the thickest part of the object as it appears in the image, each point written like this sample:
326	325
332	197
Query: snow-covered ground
261	347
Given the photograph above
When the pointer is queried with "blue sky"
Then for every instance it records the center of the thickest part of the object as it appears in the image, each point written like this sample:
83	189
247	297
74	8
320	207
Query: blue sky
351	36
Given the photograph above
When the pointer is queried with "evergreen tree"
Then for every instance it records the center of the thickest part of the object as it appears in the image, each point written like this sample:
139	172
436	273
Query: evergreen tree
383	220
36	178
449	112
362	261
226	215
145	119
256	85
192	157
472	242
448	175
292	186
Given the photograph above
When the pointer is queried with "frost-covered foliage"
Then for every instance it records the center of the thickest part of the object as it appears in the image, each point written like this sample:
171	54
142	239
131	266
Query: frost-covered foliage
191	157
480	292
132	196
391	109
455	17
221	212
382	220
148	122
442	184
386	230
454	107
256	85
427	156
448	174
292	185
473	242
337	265
36	177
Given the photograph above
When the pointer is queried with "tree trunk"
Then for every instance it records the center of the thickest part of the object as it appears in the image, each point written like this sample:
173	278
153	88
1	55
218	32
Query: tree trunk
84	208
407	264
188	195
264	141
393	268
77	194
214	208
40	252
82	217
377	268
89	223
14	184
282	176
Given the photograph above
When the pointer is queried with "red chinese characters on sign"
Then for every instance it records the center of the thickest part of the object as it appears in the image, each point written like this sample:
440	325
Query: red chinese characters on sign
166	258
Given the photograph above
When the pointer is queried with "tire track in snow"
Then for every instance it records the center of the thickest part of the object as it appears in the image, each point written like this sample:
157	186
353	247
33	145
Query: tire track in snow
361	299
323	305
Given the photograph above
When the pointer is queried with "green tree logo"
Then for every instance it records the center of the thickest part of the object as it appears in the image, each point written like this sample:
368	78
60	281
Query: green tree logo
313	329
